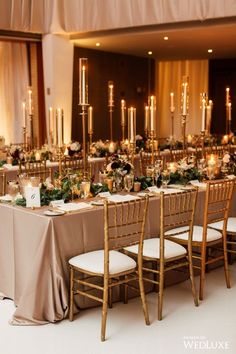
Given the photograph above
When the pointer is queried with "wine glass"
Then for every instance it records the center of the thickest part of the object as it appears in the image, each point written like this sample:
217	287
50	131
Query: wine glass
165	178
128	182
13	189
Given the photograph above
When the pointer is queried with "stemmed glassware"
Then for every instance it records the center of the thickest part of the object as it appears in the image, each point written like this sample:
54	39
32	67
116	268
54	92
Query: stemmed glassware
165	178
128	182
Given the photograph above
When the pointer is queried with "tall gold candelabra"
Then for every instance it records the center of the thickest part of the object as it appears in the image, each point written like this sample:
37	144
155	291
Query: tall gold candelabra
83	115
183	122
203	135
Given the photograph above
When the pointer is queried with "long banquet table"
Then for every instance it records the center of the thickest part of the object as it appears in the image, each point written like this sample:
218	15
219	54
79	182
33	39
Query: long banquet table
34	254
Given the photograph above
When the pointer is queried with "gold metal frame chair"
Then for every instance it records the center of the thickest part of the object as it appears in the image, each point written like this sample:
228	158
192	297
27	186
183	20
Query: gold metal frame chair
72	164
2	183
34	168
176	209
124	224
146	160
216	208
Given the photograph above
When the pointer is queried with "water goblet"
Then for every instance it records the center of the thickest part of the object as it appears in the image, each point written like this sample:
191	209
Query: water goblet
165	178
128	182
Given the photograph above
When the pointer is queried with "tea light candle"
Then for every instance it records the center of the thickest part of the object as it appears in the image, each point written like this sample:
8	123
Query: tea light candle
172	167
212	161
225	139
189	139
37	156
111	147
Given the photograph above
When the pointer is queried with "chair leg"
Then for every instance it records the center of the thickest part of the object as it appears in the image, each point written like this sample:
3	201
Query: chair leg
143	296
226	265
104	311
125	291
110	295
71	305
202	273
160	294
191	273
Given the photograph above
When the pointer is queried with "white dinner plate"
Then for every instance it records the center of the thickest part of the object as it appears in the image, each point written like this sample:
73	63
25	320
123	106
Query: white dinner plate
54	212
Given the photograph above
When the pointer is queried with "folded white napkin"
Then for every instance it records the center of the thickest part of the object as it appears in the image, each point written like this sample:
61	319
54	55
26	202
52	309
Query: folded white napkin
198	184
118	198
74	206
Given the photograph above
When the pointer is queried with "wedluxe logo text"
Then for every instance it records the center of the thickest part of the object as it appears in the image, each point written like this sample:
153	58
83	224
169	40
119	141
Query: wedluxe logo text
202	343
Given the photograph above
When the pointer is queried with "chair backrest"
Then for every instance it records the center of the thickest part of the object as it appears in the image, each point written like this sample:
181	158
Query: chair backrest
2	183
73	164
124	224
146	160
36	168
218	198
177	210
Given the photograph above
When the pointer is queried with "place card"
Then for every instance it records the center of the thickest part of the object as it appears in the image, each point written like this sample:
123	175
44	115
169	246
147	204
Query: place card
104	194
153	189
32	196
56	203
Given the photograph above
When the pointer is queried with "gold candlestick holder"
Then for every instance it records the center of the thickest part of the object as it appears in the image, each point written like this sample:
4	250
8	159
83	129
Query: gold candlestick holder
90	139
83	115
183	122
31	125
203	135
152	136
123	132
132	151
25	137
111	121
172	131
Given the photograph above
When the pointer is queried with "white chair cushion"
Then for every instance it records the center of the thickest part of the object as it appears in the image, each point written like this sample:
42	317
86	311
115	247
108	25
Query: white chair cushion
151	249
231	225
212	235
94	262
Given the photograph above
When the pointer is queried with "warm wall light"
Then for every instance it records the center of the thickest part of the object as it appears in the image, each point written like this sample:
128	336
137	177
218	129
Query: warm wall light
210	50
166	38
149	52
98	44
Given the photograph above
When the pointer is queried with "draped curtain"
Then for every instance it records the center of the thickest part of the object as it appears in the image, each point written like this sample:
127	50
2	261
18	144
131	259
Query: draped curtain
13	88
169	76
53	16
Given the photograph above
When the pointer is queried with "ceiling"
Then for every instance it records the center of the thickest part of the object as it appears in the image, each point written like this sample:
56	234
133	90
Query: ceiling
187	40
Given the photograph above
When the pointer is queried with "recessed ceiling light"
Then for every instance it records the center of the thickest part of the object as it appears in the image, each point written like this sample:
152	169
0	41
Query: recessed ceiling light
166	38
149	52
210	50
98	44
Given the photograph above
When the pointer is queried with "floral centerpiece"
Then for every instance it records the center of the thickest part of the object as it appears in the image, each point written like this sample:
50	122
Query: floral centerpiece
117	169
17	153
229	163
99	148
74	148
184	171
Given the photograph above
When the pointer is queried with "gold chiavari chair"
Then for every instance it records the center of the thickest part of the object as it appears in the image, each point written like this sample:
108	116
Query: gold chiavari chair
146	160
124	224
72	164
2	183
205	239
164	254
34	168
